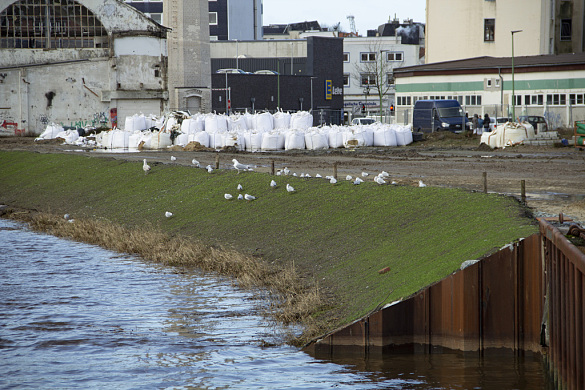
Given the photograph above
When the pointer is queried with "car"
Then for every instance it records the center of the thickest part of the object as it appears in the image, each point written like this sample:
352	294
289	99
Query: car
535	121
240	71
495	122
362	121
266	72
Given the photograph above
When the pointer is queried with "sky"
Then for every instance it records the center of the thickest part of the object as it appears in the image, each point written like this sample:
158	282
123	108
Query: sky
369	14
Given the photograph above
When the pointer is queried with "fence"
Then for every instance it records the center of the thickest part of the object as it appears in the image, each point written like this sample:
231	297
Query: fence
530	296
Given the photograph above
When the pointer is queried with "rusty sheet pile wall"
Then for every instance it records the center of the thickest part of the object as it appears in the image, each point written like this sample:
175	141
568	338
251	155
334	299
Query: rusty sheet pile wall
565	280
495	303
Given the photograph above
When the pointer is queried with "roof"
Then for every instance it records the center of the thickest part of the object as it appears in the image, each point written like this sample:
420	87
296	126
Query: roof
285	28
523	64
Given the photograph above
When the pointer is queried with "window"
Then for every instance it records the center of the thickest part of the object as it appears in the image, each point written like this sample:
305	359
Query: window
345	57
368	57
404	100
156	17
488	83
368	79
576	99
390	78
394	56
213	18
489	29
566	29
472	100
556	99
346	79
497	83
517	100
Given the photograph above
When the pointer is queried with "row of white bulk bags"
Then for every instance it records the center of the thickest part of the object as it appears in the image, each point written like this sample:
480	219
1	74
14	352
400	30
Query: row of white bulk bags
282	120
159	140
115	139
51	131
135	122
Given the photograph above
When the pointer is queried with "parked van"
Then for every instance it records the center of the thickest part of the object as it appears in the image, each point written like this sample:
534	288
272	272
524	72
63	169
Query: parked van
436	115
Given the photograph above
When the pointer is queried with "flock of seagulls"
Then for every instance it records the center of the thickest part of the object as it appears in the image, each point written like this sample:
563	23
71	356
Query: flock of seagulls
379	179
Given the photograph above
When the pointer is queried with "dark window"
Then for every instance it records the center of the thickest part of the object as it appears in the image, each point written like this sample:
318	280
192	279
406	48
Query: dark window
346	79
368	57
345	57
489	29
566	29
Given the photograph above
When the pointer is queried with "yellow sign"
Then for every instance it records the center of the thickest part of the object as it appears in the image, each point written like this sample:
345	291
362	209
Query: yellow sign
328	89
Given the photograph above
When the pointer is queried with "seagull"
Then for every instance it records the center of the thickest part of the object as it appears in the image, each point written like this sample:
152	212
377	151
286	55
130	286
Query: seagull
384	174
66	216
173	158
228	196
318	175
249	197
168	214
286	171
357	181
209	169
273	184
394	183
240	197
379	180
364	174
278	173
240	188
421	184
290	188
333	180
294	174
195	162
307	175
348	178
145	167
302	175
240	166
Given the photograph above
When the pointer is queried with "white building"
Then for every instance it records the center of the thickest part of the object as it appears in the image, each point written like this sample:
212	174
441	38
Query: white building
552	86
457	29
369	61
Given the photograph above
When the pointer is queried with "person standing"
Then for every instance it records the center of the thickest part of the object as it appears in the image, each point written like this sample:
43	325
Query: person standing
475	123
486	122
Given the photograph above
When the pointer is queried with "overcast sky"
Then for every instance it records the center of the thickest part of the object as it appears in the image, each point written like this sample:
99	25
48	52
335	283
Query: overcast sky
369	14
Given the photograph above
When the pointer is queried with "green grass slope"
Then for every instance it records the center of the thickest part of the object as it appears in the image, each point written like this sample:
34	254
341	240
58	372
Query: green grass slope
338	236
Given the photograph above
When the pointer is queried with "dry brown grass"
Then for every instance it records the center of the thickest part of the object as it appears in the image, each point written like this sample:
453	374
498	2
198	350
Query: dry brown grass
291	300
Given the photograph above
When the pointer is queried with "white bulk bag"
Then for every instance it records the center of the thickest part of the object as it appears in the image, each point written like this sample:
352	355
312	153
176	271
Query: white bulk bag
216	140
134	139
182	139
315	140
282	120
69	136
159	140
234	139
294	139
272	141
301	120
353	138
368	133
263	122
51	131
335	138
249	119
201	136
385	136
236	123
253	141
215	123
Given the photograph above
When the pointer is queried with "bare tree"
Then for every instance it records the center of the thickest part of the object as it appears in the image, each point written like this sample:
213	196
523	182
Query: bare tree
375	70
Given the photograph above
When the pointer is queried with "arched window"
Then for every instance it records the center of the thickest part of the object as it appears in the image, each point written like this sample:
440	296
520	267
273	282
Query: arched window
44	24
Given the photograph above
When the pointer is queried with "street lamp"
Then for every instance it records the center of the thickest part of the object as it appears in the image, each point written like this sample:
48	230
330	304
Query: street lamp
513	89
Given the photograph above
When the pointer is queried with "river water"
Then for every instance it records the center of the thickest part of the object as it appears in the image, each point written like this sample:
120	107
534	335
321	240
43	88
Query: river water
75	316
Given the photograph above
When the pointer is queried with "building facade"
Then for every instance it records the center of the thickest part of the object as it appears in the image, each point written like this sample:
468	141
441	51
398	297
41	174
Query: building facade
458	29
79	63
552	86
228	19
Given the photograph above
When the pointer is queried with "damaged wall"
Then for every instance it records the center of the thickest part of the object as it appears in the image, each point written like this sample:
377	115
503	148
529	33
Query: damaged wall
86	86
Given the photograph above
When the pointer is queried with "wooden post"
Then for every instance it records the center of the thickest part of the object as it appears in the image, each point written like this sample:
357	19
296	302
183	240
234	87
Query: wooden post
335	170
272	167
217	161
485	182
523	191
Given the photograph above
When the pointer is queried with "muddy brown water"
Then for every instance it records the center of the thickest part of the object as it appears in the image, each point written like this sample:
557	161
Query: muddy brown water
77	316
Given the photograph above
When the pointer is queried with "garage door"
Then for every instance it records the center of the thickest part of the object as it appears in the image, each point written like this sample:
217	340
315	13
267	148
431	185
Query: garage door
131	107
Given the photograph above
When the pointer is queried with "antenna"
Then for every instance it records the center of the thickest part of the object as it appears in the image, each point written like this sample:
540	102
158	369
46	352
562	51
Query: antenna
351	19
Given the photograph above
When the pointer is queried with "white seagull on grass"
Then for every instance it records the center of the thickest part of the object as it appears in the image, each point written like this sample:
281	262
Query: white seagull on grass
195	162
249	197
173	158
145	167
240	188
273	184
379	180
357	181
290	188
240	197
209	168
228	196
421	184
333	180
168	214
239	166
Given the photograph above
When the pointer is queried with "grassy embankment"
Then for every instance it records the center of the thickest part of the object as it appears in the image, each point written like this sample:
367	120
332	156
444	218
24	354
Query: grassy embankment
327	238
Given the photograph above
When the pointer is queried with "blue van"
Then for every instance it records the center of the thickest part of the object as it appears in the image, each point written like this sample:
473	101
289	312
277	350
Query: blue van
436	115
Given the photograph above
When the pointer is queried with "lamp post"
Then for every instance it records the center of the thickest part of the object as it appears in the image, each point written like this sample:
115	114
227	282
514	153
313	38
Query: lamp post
513	88
381	79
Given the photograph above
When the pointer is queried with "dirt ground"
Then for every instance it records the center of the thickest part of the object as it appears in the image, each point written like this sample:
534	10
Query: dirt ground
554	176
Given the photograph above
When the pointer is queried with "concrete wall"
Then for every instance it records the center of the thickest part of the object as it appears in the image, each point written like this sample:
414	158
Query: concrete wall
80	87
259	49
